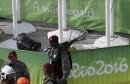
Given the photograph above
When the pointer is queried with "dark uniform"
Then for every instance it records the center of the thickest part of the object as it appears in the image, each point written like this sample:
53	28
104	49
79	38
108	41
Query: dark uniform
20	69
53	80
61	59
7	82
50	80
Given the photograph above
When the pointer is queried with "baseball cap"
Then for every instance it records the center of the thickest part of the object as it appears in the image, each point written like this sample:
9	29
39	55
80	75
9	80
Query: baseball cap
53	38
11	54
48	66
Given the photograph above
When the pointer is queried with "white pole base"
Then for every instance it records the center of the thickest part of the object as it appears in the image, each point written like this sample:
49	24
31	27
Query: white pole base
114	41
9	44
67	35
80	47
22	28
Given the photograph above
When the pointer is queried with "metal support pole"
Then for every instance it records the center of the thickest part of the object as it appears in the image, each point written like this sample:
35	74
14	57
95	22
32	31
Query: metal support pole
15	25
64	26
107	9
111	18
60	21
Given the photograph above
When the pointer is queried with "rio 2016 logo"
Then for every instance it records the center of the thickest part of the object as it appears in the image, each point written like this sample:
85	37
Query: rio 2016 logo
103	68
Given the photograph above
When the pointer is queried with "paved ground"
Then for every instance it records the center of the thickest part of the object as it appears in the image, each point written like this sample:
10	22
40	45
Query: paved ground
43	29
40	35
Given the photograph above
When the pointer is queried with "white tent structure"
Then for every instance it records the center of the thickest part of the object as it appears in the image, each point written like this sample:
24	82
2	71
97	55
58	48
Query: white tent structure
62	32
18	26
64	35
110	39
106	41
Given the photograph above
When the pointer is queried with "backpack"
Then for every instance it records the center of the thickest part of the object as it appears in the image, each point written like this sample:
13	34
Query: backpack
65	46
26	43
70	60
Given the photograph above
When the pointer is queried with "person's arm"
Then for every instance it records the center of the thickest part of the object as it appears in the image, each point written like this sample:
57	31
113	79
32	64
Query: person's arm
26	72
6	63
50	82
66	64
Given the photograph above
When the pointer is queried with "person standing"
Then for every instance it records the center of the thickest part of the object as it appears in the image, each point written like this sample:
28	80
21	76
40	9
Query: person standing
60	57
19	67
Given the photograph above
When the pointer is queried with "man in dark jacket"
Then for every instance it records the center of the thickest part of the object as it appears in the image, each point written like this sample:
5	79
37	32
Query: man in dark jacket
19	67
60	57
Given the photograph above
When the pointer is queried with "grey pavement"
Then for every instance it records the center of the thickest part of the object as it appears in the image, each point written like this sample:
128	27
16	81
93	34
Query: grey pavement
43	29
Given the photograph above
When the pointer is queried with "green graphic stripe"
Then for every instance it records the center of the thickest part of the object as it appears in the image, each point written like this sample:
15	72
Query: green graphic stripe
97	66
79	13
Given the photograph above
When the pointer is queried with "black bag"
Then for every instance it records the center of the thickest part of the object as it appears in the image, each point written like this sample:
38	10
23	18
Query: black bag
25	43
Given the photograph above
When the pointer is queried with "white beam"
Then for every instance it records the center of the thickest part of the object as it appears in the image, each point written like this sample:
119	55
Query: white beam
60	21
107	11
64	26
111	18
15	25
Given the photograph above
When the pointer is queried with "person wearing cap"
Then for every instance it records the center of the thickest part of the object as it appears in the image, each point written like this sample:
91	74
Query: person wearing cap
7	75
48	72
19	67
60	57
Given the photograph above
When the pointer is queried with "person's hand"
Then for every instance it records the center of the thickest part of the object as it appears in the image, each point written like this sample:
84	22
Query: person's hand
61	81
64	81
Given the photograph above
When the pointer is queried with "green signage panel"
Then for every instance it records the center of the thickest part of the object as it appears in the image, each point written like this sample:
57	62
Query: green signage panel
80	13
96	66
